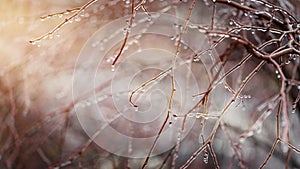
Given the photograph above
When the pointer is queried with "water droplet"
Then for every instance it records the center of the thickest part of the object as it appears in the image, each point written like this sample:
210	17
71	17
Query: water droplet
287	62
259	129
242	139
190	115
205	157
173	37
198	115
127	2
196	59
33	42
247	96
210	53
95	44
127	21
129	29
38	43
136	109
82	13
124	31
175	117
112	68
284	147
77	19
278	76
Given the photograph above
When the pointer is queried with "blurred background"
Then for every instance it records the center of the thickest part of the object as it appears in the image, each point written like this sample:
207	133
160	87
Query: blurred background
38	125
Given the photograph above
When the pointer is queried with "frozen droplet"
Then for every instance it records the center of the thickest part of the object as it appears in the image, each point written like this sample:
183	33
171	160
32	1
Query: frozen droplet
127	21
77	19
287	62
82	13
38	43
242	139
205	157
60	15
173	38
190	115
86	15
196	60
210	53
136	109
95	44
112	68
284	147
175	117
198	115
170	123
124	31
294	58
259	129
129	29
242	2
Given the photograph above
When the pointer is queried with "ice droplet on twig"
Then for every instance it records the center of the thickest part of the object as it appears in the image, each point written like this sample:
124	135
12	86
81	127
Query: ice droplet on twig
112	68
205	157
